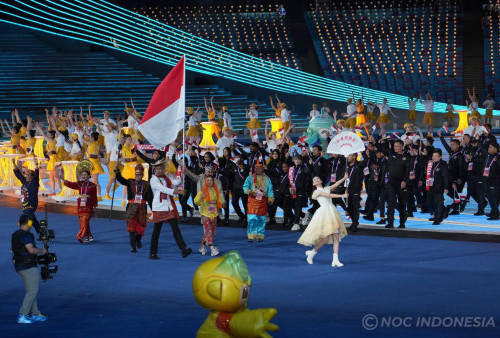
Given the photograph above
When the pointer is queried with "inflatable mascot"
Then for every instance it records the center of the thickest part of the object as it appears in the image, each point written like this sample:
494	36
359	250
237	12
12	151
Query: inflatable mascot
319	130
222	285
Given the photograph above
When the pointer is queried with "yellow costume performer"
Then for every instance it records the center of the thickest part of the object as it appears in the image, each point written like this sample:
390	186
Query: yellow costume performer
51	151
14	141
383	118
194	129
93	153
128	171
429	118
449	114
222	285
360	119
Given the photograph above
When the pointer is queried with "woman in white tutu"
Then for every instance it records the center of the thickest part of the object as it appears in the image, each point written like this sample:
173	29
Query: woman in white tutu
327	225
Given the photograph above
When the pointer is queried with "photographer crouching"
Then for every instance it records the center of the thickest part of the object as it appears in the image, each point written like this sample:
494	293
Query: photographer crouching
25	262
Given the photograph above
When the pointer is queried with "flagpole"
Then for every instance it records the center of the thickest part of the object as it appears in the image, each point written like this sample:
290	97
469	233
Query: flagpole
184	127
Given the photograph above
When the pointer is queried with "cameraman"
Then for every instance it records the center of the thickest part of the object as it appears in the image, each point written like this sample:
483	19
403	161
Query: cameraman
25	263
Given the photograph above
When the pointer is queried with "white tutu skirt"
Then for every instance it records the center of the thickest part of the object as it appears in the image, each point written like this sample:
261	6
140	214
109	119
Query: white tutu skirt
325	222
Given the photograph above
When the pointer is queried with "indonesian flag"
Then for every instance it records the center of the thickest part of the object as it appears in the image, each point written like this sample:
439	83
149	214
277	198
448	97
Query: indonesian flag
374	126
165	114
445	127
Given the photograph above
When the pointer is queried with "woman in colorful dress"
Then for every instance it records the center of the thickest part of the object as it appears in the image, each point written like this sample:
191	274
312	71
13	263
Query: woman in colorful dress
210	201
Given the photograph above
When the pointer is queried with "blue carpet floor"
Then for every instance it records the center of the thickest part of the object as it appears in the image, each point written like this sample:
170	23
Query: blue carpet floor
103	290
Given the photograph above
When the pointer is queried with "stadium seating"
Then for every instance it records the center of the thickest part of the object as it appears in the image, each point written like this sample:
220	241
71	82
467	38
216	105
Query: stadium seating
491	32
35	75
258	31
394	47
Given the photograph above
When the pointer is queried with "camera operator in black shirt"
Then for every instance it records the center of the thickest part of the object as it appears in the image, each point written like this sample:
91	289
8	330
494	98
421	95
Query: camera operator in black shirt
25	262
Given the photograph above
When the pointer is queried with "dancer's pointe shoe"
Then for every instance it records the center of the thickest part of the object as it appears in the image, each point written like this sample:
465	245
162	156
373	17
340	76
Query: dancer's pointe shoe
310	255
336	261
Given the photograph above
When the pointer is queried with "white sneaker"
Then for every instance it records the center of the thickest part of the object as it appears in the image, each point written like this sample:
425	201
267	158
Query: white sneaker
305	219
215	252
336	261
296	227
310	255
203	250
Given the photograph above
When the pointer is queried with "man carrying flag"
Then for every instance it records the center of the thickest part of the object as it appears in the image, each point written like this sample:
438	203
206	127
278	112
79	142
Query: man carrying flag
160	125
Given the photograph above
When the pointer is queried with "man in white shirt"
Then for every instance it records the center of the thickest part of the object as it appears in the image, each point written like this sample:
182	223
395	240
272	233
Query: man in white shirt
489	104
285	117
164	210
227	118
314	112
429	113
112	151
412	110
351	115
325	111
475	129
225	141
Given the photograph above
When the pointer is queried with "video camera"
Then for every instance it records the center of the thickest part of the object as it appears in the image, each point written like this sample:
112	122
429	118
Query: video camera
45	260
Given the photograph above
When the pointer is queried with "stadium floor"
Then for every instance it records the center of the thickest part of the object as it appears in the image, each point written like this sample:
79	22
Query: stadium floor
103	290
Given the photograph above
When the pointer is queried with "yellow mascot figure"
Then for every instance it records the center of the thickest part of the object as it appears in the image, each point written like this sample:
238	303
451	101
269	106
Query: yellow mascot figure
222	285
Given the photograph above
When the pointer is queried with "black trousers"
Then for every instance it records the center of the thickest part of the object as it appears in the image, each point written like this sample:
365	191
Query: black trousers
492	194
235	200
476	190
285	202
226	208
372	201
184	199
395	193
382	201
436	203
412	196
271	209
298	203
176	232
353	203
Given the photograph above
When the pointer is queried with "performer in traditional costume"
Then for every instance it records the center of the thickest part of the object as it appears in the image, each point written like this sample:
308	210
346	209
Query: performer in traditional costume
139	194
210	200
260	193
87	200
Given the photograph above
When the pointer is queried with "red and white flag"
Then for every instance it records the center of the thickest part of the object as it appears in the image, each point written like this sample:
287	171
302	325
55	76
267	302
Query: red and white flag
445	126
374	126
165	114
